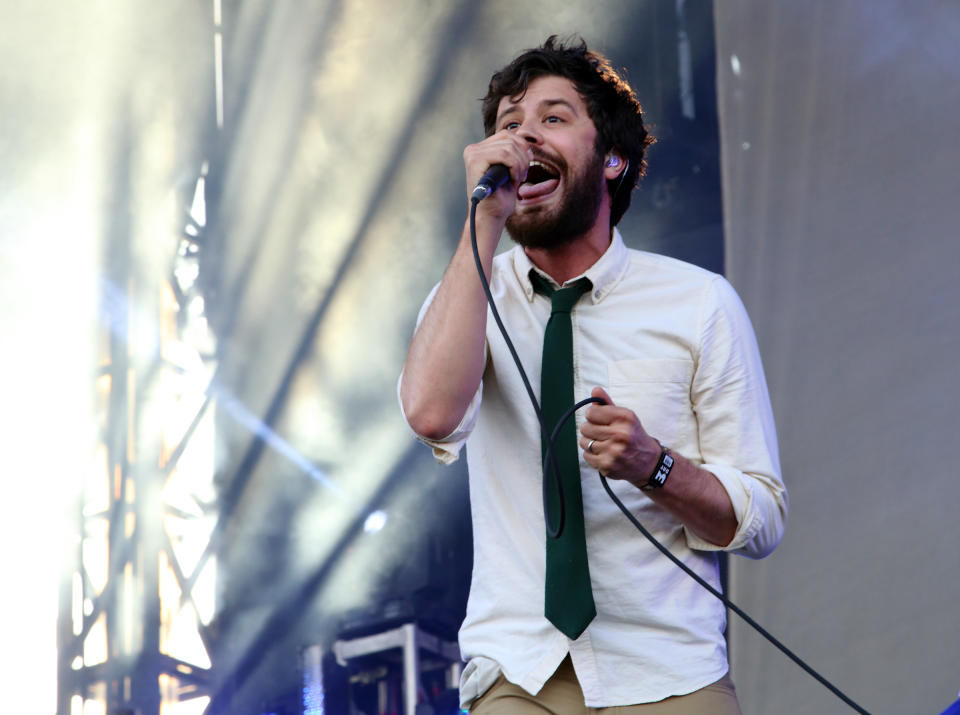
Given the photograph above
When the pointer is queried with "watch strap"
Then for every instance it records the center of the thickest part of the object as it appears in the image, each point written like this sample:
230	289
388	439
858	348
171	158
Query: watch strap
660	473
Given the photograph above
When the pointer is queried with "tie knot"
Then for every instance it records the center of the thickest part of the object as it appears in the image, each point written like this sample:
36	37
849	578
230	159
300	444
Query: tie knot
562	300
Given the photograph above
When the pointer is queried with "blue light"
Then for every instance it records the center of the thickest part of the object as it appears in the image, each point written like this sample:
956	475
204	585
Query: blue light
313	693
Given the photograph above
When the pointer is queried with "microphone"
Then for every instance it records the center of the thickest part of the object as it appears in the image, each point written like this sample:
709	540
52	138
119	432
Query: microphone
496	176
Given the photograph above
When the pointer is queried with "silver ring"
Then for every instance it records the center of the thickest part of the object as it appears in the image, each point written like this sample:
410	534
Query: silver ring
590	446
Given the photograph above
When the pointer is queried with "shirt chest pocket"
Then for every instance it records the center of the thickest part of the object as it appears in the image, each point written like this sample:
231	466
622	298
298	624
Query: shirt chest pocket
658	391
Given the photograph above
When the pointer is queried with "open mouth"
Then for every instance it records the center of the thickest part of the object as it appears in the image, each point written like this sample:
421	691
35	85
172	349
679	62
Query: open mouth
541	180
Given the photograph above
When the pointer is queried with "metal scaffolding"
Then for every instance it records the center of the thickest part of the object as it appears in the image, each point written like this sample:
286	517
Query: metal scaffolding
136	599
133	632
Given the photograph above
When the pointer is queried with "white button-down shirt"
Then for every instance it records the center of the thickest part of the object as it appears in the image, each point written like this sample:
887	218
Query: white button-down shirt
673	343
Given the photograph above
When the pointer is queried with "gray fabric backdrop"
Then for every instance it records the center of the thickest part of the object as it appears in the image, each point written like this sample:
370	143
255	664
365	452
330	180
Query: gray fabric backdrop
842	207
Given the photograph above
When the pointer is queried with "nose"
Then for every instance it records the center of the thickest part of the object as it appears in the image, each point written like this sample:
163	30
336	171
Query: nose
531	132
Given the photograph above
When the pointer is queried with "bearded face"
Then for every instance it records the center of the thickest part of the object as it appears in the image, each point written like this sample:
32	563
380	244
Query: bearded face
548	223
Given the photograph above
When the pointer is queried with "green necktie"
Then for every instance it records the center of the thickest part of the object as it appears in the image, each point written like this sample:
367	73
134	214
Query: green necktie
568	598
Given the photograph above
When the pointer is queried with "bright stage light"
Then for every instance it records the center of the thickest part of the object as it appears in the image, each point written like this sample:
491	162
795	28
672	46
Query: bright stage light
375	522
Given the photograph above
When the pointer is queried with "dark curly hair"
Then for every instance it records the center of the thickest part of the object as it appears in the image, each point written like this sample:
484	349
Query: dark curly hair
611	103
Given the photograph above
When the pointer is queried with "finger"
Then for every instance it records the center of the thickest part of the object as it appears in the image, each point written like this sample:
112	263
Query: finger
602	394
524	155
592	430
518	147
604	415
500	148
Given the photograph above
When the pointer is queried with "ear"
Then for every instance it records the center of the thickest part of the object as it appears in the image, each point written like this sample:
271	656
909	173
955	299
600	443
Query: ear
613	166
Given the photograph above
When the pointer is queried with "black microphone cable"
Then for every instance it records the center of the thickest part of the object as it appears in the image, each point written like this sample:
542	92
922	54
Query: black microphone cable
549	462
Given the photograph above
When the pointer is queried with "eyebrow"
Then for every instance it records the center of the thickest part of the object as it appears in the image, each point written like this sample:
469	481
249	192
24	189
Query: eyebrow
546	103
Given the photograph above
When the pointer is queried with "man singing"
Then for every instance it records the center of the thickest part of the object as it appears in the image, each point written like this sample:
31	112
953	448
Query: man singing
597	618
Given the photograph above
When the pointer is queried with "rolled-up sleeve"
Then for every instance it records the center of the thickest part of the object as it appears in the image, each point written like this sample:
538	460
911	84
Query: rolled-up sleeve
447	449
738	441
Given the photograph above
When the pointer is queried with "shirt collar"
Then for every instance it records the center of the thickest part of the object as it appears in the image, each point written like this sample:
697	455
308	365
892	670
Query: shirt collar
604	274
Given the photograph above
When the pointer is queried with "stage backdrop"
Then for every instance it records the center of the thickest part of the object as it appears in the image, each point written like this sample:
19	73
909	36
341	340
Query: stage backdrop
839	162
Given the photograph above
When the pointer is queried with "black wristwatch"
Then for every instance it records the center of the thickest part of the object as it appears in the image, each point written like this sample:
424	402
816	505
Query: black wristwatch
660	472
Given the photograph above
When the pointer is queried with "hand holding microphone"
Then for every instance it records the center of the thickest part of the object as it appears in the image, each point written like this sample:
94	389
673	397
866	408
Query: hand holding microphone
496	176
500	160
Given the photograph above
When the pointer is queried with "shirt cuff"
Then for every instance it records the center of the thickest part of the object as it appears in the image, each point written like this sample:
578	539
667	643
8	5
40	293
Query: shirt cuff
447	449
742	500
477	678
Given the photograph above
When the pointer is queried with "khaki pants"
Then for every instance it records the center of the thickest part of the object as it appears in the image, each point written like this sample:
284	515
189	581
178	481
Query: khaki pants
561	695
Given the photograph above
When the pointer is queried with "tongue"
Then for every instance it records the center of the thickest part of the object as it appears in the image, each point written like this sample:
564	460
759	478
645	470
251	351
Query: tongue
531	191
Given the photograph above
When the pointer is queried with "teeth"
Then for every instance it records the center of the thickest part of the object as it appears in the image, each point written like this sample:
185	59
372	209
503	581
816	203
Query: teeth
545	167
